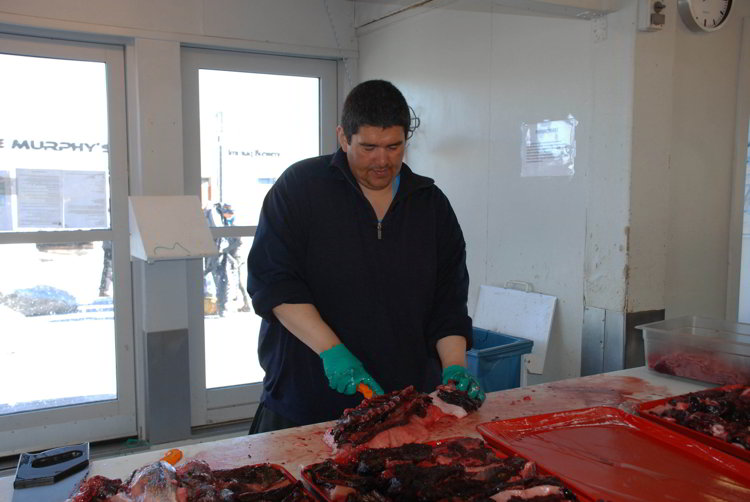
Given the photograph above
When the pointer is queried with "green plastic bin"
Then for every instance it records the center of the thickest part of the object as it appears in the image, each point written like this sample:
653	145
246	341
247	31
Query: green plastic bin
495	359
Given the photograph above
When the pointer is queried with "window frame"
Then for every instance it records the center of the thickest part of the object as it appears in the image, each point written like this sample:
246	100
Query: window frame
738	291
101	420
225	404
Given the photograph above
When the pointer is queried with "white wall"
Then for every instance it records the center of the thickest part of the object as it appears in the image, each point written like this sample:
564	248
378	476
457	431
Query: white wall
700	172
649	182
475	76
644	222
686	101
284	26
607	205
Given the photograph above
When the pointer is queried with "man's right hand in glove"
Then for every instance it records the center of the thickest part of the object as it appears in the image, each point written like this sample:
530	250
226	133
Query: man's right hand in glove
345	371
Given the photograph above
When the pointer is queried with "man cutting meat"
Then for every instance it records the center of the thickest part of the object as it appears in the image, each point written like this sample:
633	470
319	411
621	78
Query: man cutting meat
358	269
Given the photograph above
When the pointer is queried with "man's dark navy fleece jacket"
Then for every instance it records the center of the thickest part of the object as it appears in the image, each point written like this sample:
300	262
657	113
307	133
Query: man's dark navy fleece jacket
388	291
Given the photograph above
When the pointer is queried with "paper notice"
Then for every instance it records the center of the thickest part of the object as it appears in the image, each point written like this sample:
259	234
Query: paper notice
549	148
39	198
6	218
85	199
53	198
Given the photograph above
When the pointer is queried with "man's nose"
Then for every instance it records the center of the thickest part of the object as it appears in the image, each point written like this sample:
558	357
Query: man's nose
381	158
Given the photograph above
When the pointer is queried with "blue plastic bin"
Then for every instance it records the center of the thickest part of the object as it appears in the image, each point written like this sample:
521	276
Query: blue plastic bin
495	359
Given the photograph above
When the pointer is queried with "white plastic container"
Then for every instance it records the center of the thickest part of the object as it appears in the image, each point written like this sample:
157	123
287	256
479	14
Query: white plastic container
703	349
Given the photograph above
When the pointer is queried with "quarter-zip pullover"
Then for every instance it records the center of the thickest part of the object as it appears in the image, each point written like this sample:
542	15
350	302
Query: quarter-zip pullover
389	289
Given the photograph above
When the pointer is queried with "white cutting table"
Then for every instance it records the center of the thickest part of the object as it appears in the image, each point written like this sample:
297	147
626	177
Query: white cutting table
295	448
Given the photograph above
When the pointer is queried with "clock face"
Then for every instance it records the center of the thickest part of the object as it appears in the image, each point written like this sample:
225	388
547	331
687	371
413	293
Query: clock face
704	15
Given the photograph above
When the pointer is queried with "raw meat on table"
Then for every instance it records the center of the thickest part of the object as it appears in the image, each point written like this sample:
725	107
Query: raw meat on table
703	366
720	413
460	469
396	418
195	482
452	401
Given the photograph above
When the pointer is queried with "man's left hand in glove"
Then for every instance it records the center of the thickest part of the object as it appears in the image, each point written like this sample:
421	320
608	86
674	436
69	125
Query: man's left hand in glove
464	381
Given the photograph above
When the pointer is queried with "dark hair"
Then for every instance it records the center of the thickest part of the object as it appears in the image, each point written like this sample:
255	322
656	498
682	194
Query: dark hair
376	103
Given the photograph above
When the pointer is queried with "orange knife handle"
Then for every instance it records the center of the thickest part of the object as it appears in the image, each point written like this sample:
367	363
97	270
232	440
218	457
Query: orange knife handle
365	390
172	456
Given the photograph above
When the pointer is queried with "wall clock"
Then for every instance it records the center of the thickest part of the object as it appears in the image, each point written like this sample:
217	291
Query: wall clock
704	15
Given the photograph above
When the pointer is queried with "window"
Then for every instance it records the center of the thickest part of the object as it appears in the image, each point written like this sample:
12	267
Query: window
247	118
744	293
65	295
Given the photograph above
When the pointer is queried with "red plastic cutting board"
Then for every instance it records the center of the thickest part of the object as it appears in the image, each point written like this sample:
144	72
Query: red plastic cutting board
611	455
644	408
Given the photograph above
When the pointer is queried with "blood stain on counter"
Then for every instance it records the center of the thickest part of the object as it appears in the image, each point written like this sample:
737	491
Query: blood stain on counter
604	390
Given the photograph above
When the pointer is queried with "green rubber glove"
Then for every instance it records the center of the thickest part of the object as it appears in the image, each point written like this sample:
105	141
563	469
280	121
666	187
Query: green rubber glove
345	371
464	381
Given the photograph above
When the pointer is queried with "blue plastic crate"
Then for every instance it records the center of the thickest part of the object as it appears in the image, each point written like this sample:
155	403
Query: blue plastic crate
495	359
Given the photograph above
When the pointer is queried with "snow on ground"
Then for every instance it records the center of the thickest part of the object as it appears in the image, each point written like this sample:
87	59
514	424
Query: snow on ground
52	360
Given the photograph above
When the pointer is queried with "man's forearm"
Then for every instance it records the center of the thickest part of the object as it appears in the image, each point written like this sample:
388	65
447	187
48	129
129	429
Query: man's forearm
303	321
452	350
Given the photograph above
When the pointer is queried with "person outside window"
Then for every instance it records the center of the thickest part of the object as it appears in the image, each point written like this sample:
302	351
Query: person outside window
225	268
106	280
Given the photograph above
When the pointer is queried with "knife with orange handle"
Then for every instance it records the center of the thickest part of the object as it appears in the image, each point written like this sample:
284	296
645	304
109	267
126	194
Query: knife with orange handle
365	390
172	456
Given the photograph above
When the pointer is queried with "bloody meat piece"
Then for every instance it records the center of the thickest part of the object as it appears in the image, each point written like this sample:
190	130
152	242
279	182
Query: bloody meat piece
329	475
396	418
199	481
371	416
196	482
432	482
373	461
451	395
546	489
97	489
290	493
470	451
704	366
252	478
462	469
367	497
721	413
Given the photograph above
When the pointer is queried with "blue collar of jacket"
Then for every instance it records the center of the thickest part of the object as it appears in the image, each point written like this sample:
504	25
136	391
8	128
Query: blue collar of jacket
410	181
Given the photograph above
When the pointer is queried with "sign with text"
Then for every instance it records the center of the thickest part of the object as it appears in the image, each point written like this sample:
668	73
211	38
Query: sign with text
54	198
548	148
6	218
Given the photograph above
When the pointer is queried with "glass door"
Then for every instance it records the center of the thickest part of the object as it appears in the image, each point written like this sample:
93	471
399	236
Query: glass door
743	314
738	276
247	118
65	309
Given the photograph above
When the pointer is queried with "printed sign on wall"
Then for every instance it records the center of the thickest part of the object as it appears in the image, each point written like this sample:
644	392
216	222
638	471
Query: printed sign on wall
548	148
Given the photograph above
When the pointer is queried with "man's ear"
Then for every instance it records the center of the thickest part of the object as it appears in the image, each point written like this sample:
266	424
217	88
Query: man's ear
342	138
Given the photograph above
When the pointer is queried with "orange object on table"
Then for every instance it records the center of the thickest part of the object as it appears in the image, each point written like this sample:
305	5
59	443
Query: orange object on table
172	456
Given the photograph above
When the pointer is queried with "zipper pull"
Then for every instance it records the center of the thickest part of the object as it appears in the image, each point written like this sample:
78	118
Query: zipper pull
380	231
